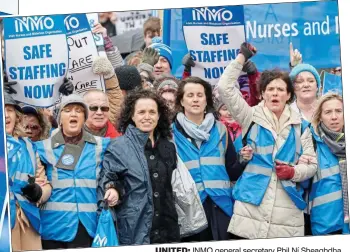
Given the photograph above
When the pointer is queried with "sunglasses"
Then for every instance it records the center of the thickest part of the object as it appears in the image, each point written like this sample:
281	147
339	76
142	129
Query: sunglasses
32	127
102	108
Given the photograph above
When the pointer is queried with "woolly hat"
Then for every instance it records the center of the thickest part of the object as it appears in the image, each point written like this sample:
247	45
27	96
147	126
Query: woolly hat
305	68
72	99
157	40
168	84
144	67
128	76
164	51
218	103
8	99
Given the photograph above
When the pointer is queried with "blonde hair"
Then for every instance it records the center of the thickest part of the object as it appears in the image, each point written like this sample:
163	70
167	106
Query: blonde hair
18	130
318	111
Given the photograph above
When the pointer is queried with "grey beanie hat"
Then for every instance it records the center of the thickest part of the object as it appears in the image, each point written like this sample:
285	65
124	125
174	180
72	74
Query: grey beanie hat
168	84
8	99
218	103
72	99
144	67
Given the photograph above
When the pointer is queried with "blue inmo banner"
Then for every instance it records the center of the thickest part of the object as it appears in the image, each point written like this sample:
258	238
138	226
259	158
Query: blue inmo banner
312	27
213	37
36	56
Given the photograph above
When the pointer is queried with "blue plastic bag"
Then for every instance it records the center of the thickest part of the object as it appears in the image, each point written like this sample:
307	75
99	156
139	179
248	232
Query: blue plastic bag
106	234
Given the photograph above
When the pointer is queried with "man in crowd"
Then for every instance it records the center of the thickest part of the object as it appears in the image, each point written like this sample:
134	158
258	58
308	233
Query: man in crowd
98	123
165	62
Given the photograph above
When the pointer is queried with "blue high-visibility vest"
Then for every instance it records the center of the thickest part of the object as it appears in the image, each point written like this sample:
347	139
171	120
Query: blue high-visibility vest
207	166
73	196
326	198
21	162
253	183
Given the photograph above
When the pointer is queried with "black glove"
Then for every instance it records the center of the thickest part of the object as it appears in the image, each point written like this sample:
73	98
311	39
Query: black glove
8	86
188	62
67	87
150	56
32	191
249	68
247	50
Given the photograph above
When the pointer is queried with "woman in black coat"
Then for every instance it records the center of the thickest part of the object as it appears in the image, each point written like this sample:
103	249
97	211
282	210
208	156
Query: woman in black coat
136	175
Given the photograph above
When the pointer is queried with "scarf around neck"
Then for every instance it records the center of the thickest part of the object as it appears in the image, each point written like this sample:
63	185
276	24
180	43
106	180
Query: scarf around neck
234	128
334	140
336	143
197	132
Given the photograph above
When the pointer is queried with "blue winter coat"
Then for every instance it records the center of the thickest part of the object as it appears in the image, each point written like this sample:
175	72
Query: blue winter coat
121	167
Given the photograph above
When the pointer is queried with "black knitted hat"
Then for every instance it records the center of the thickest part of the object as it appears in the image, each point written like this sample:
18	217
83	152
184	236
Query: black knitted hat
129	77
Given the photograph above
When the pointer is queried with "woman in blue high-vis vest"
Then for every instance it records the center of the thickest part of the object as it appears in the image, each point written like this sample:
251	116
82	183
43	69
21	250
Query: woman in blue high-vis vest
306	82
25	194
328	198
268	196
72	158
205	147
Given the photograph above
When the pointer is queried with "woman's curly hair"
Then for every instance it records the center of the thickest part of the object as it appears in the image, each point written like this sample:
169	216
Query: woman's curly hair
163	126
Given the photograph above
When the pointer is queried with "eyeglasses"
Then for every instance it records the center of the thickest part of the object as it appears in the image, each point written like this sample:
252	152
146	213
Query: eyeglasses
102	108
32	127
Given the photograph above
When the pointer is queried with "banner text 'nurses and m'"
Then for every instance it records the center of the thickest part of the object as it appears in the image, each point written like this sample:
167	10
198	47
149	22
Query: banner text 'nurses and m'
212	35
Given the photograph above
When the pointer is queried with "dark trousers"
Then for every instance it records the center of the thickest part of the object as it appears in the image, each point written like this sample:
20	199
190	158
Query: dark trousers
81	240
307	225
218	223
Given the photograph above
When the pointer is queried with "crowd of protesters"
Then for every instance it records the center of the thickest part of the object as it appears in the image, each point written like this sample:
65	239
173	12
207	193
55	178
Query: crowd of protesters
260	155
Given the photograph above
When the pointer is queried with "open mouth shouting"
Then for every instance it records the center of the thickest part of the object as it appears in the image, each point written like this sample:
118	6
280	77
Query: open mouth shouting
73	122
275	102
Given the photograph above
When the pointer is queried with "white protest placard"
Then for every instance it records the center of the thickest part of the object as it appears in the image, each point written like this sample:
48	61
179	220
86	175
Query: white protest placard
36	57
131	20
82	51
93	19
213	37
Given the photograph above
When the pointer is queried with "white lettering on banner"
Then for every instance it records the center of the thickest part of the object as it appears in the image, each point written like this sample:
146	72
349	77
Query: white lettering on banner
71	23
205	14
27	24
36	57
212	47
100	241
280	30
